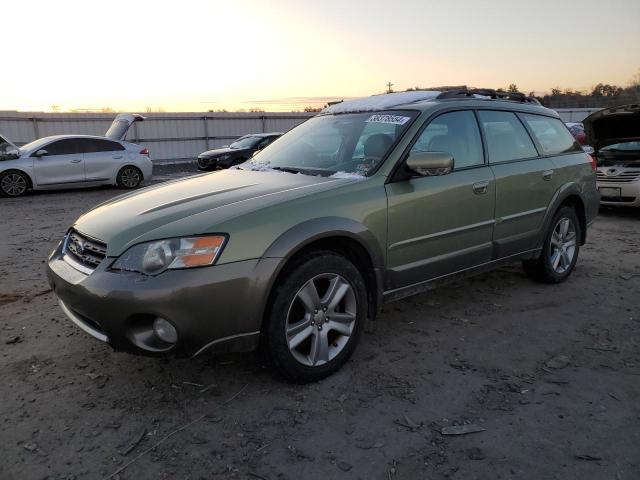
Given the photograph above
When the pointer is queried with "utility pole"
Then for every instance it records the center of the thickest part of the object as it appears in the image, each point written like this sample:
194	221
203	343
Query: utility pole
389	85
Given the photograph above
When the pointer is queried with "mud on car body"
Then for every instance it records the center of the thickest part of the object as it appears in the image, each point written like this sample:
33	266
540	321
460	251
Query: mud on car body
370	201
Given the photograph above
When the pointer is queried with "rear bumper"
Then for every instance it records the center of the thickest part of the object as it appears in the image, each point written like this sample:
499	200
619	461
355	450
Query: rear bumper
215	308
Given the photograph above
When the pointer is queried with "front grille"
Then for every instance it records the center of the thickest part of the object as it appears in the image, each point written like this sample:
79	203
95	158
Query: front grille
625	176
84	250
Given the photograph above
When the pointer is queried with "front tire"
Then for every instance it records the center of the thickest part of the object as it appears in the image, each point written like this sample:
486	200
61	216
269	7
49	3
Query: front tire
316	317
13	184
129	177
560	250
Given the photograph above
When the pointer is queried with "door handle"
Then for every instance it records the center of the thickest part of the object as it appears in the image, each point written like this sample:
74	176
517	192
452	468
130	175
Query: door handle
480	187
117	157
77	160
547	175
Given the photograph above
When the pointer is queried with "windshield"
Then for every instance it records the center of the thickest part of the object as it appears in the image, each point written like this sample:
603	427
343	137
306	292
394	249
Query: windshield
354	143
35	145
245	142
622	147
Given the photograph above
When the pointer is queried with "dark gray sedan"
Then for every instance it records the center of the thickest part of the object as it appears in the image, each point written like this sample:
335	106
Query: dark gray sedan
238	152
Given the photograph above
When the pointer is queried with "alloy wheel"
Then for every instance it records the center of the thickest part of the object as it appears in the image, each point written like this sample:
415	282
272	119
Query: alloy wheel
563	245
13	184
320	319
130	177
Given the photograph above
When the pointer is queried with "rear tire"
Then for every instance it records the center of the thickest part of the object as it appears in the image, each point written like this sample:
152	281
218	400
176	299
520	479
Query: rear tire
316	317
560	250
129	177
13	184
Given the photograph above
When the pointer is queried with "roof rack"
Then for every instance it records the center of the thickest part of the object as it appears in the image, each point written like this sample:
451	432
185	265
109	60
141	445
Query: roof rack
465	92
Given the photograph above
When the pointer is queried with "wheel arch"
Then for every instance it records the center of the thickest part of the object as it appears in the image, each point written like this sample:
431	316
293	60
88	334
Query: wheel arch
340	235
568	195
30	179
132	165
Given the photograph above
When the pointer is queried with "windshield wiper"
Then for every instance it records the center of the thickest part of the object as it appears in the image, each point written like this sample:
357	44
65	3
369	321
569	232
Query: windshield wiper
291	170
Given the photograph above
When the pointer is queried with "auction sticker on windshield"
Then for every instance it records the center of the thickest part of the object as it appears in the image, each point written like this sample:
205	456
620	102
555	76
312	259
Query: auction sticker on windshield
393	119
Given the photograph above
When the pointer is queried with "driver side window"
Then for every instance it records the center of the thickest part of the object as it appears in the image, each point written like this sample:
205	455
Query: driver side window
456	133
67	146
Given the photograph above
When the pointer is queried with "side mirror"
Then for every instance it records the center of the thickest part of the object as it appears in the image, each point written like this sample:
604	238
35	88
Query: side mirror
41	153
427	164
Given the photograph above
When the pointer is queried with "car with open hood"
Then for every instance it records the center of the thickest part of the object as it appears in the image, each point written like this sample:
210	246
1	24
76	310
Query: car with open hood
370	201
73	161
7	148
614	134
238	152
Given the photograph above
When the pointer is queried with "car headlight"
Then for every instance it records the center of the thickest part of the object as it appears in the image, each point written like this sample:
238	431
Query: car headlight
223	157
152	258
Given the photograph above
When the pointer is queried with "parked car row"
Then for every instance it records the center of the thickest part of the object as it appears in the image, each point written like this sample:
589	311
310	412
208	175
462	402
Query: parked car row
370	201
72	161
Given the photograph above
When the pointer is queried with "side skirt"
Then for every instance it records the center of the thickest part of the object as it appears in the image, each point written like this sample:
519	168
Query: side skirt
409	290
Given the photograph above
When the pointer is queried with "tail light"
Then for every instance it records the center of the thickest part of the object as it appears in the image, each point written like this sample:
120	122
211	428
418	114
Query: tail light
592	161
144	151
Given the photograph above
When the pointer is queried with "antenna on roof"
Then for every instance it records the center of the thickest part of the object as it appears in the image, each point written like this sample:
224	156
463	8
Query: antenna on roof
389	85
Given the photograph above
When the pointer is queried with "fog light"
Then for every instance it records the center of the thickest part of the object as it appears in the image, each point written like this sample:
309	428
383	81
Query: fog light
165	331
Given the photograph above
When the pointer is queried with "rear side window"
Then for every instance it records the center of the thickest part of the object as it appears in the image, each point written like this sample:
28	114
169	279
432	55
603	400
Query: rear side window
67	146
551	133
93	145
506	137
455	133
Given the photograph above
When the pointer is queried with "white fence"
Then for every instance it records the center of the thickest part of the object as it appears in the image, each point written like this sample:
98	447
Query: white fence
173	136
575	114
168	136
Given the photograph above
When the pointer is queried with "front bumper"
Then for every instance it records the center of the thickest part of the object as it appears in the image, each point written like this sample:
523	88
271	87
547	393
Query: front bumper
620	194
216	308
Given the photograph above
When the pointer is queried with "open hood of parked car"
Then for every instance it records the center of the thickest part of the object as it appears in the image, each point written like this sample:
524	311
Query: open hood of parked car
7	147
613	125
120	126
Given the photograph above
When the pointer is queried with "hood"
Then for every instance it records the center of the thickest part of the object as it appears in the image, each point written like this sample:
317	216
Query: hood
193	206
221	151
120	125
6	146
613	125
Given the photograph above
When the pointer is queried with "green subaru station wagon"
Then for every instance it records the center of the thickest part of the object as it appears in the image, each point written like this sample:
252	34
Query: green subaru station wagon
369	201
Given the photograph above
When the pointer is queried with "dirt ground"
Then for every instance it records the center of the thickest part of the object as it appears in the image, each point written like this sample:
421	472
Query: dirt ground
550	373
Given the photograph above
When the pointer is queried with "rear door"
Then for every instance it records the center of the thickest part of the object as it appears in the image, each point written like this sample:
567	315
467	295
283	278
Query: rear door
64	163
442	224
102	158
525	182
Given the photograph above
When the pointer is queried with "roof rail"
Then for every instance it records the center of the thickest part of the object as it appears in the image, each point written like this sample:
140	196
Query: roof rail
465	92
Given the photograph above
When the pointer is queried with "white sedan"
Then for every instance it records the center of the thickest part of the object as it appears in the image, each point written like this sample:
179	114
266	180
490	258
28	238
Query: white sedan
71	161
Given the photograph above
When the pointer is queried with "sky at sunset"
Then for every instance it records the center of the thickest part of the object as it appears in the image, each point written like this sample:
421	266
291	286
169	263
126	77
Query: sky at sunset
285	55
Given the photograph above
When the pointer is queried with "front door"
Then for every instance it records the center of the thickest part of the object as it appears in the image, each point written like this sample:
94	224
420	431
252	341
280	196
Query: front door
442	224
63	164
